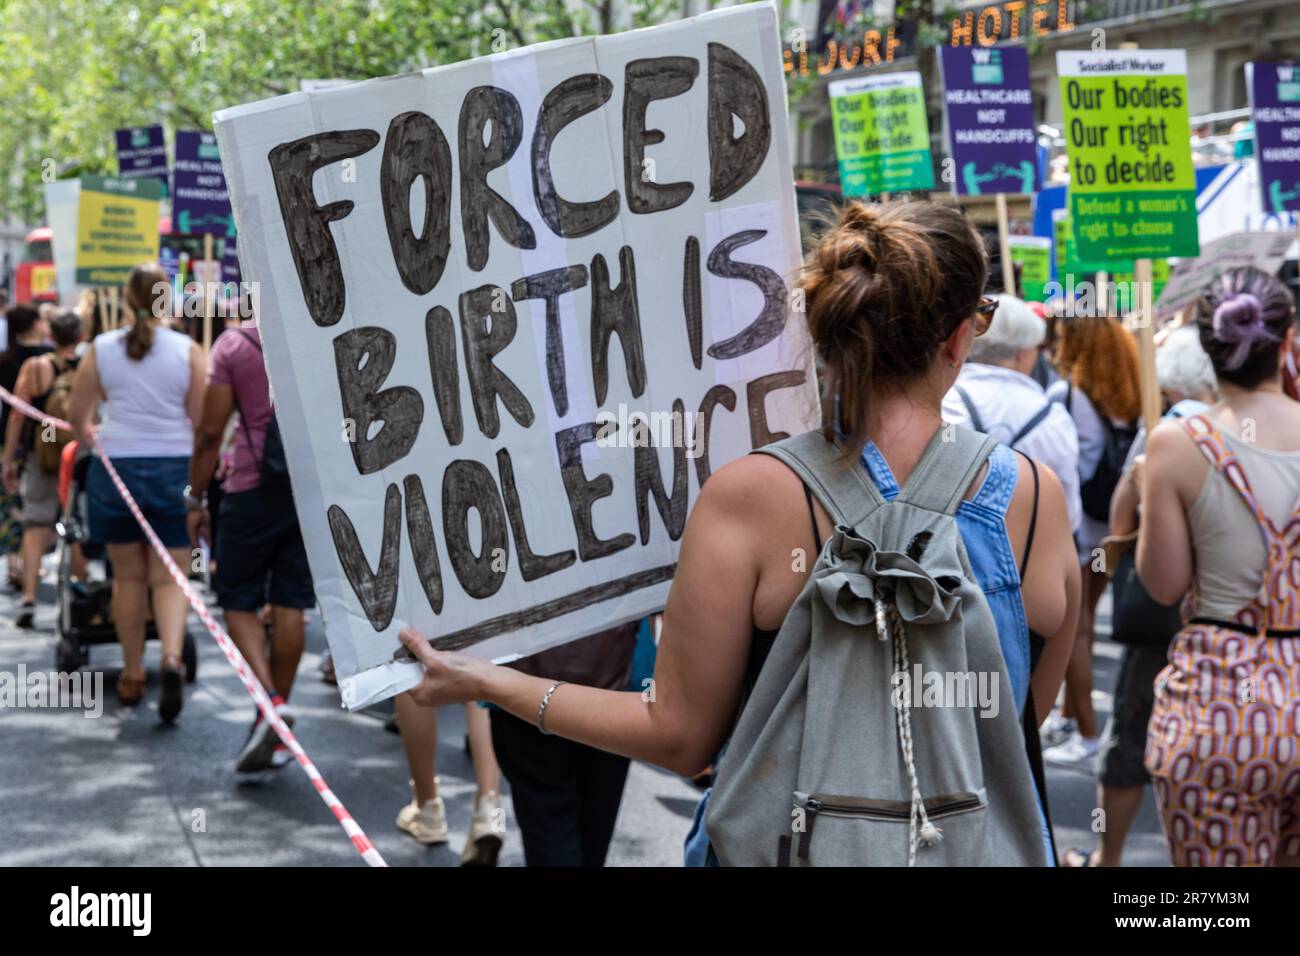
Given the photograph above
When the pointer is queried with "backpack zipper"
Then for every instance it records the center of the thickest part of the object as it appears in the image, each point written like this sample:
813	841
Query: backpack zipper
867	809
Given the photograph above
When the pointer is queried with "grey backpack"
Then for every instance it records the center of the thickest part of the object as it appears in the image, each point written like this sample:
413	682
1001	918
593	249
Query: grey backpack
882	729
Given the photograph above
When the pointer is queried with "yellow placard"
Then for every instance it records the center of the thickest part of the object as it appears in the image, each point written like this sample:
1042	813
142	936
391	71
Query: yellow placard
117	228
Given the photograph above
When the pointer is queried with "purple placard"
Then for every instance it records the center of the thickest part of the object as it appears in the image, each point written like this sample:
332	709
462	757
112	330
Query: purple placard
229	261
1274	90
142	152
200	200
990	111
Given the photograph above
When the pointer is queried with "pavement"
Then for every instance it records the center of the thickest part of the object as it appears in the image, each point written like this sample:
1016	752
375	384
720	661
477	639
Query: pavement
122	789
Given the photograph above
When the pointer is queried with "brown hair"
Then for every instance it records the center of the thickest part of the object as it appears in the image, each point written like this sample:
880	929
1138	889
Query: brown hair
141	294
884	288
1100	357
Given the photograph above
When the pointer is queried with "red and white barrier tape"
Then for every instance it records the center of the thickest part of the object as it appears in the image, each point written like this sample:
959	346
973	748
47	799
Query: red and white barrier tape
236	659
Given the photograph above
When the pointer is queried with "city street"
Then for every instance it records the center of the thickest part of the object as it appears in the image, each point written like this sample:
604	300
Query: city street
121	789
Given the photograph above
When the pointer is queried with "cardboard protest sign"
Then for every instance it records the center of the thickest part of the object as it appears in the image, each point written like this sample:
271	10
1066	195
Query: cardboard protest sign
515	312
1132	183
1033	254
990	110
117	228
1274	91
200	200
61	197
882	140
142	152
1262	250
316	86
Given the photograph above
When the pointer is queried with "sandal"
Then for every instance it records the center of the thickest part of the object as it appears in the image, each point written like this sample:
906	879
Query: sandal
1078	861
130	690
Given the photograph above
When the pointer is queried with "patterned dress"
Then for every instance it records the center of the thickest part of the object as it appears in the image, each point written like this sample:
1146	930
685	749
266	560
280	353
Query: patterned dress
1223	747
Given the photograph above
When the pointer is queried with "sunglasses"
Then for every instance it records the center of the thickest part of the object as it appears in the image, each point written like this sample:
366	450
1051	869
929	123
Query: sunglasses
984	314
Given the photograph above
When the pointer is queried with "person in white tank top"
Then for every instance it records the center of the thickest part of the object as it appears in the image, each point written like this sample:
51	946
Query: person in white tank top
1221	508
150	380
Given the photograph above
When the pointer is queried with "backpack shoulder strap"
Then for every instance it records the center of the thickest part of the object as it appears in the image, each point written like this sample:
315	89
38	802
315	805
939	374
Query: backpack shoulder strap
976	422
844	488
249	339
950	463
1224	460
1031	424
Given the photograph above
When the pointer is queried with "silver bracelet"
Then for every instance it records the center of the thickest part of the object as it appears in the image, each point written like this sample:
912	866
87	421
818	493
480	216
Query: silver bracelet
546	702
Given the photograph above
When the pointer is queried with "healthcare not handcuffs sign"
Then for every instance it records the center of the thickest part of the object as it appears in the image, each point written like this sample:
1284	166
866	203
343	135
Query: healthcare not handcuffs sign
1274	90
990	110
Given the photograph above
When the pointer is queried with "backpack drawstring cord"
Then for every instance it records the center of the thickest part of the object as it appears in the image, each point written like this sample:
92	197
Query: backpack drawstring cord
889	621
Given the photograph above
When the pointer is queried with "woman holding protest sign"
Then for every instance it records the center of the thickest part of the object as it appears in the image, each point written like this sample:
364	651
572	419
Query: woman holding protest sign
1220	515
894	301
151	380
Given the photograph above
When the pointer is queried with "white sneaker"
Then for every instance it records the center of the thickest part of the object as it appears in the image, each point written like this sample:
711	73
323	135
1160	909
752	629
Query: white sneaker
1057	729
428	823
1076	749
487	828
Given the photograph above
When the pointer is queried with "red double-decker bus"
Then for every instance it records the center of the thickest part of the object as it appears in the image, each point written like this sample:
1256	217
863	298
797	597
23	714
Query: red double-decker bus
35	279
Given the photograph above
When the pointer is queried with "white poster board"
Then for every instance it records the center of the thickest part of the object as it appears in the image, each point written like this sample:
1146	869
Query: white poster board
62	198
1187	277
587	229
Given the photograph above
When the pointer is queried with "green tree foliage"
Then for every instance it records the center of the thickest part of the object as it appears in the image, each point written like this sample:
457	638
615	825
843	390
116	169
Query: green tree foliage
76	70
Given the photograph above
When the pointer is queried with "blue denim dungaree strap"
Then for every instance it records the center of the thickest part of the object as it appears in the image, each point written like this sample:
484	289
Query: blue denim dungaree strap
982	522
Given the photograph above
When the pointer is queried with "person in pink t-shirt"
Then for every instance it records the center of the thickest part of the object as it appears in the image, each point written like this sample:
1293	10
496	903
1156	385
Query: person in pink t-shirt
259	556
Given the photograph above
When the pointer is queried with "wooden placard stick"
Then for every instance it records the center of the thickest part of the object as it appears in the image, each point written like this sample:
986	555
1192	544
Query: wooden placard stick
1004	246
207	299
1146	336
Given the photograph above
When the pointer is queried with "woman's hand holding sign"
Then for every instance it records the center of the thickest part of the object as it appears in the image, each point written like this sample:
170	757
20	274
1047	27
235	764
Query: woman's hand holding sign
450	677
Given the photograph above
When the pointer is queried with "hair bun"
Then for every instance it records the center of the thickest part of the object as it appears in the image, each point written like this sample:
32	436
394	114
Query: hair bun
1239	320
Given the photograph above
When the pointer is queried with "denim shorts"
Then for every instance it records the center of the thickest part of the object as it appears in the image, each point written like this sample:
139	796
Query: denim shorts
158	487
260	557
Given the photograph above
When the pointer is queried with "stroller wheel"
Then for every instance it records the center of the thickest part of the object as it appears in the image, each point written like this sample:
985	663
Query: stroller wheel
190	658
68	657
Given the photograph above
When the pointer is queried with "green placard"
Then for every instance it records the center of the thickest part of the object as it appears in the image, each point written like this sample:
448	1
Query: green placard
882	140
1067	253
1132	183
1034	256
1071	271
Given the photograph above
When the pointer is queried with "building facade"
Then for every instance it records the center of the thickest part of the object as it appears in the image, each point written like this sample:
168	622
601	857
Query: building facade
836	39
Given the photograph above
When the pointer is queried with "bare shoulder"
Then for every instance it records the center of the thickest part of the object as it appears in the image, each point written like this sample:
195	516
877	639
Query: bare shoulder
1050	493
1169	439
750	486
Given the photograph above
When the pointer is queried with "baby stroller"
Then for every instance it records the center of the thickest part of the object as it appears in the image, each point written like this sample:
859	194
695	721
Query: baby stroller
85	605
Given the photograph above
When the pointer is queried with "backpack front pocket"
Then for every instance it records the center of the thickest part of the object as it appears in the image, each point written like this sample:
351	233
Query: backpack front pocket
856	815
